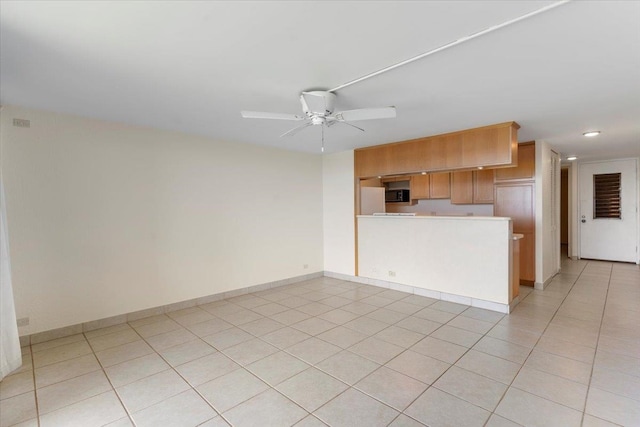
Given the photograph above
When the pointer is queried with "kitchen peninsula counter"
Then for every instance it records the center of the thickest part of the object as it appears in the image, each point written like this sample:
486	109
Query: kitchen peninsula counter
464	259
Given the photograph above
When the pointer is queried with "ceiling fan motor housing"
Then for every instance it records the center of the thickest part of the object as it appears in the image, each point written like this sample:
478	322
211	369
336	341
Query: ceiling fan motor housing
319	102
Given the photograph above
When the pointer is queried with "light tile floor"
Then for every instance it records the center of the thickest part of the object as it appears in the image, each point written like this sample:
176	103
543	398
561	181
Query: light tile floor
332	352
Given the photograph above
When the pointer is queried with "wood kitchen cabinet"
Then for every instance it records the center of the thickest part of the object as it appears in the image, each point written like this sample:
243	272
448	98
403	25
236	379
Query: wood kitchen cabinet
514	196
420	187
483	186
440	185
488	146
462	188
516	200
526	168
472	187
394	178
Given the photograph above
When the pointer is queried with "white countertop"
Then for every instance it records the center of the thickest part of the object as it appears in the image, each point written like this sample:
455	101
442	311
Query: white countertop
432	217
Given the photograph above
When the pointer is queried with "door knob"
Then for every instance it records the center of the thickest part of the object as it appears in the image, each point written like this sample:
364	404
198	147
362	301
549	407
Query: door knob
584	220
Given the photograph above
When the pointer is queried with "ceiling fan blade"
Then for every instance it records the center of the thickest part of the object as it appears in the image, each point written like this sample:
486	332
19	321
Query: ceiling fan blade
305	106
366	114
265	115
348	124
296	129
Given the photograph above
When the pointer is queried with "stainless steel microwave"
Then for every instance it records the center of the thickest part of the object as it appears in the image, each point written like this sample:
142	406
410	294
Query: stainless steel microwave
395	196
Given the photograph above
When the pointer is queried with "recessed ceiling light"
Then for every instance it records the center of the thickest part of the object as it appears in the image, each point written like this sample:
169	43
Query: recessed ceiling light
424	173
480	167
592	133
571	158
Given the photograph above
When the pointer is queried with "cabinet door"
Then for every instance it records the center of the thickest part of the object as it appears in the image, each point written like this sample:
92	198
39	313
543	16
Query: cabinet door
462	188
526	165
528	259
419	187
516	200
483	186
440	186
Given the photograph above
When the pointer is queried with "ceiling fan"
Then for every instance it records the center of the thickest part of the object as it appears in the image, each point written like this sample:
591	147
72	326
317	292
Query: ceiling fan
318	108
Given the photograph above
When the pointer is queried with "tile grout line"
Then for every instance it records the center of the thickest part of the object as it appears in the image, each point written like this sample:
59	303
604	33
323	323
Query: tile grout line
35	389
77	376
532	348
450	365
239	326
402	352
315	366
223	353
595	354
401	412
192	387
139	357
241	366
109	379
341	349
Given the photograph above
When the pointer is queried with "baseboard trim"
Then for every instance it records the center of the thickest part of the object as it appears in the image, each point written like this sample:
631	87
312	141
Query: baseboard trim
540	286
168	308
474	302
52	334
514	303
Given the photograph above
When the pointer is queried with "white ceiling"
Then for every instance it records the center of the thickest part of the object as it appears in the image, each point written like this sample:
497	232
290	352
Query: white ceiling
192	66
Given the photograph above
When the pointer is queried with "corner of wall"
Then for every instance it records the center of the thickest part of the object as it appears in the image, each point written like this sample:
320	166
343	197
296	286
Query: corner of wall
539	211
338	212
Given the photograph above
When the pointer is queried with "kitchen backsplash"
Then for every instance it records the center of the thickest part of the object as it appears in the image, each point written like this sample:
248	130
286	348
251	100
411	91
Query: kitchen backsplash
441	207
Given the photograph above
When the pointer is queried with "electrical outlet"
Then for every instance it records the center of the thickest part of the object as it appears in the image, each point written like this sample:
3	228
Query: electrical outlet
305	266
22	123
392	273
23	321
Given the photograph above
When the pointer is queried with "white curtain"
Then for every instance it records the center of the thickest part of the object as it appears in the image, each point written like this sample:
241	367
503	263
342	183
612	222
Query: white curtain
10	354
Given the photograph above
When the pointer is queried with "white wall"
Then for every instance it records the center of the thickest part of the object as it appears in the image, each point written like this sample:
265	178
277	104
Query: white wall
461	256
338	185
573	211
106	219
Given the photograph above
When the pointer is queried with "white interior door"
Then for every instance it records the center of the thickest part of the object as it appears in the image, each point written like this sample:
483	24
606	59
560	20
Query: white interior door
609	238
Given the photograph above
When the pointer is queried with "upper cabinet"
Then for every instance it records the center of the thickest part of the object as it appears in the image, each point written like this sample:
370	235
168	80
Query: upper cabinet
431	186
526	164
385	179
420	187
462	188
472	187
483	186
440	185
489	146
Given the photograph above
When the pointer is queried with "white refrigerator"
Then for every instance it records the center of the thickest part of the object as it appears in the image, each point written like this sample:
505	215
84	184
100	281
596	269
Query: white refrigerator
371	200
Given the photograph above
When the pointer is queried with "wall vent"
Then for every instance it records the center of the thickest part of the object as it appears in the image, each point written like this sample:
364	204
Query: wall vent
606	196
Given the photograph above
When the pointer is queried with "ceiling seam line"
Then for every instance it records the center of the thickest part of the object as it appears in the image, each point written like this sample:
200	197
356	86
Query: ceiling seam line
450	44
